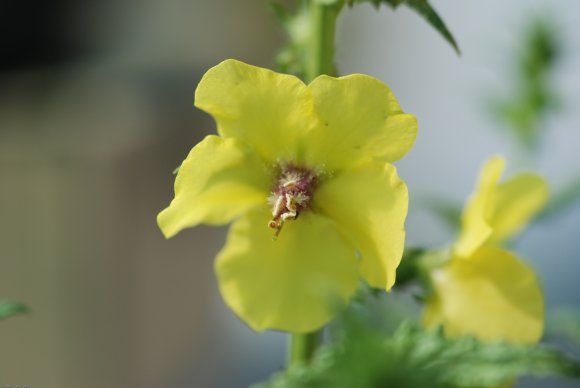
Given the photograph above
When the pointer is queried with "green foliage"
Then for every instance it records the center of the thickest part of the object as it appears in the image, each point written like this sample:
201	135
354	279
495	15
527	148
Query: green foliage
330	2
423	8
8	309
367	358
533	96
292	58
407	272
417	265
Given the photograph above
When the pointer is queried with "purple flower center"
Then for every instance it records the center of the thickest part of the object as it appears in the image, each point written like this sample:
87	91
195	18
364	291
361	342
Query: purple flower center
291	195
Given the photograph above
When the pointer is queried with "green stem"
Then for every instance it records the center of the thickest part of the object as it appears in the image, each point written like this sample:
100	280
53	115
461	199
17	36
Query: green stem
322	18
302	347
319	60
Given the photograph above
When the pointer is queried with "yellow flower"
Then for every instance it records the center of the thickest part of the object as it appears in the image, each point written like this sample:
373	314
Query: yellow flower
485	290
308	165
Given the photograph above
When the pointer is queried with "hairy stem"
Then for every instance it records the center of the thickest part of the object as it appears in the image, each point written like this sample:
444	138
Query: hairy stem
320	58
302	347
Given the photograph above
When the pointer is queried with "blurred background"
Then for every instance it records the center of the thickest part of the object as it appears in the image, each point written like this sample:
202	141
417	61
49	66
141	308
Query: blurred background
96	112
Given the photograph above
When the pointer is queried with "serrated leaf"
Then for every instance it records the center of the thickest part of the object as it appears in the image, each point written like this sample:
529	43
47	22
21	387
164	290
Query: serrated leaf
366	358
423	8
9	309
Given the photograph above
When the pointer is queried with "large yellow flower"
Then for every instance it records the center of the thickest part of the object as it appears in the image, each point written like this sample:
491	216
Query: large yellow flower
485	290
309	166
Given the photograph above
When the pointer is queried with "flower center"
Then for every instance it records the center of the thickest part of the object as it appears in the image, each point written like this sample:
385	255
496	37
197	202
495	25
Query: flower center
291	195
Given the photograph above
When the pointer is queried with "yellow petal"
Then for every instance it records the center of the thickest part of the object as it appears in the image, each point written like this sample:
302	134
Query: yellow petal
296	283
516	201
268	110
219	180
360	119
475	220
369	205
432	313
493	296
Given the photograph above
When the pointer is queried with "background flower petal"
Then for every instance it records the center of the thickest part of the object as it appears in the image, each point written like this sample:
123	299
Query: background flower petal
475	220
360	119
433	313
219	180
516	201
296	283
493	296
369	205
268	110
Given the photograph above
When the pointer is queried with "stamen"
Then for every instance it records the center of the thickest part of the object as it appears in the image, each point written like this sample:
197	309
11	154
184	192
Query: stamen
278	206
288	216
291	196
290	202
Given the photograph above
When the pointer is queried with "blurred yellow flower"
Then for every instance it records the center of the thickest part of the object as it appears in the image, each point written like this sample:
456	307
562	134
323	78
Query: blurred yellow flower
485	290
309	165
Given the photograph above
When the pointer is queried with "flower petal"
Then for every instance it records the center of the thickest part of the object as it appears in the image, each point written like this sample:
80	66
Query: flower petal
219	180
268	110
361	119
295	283
493	296
517	200
475	221
432	313
369	205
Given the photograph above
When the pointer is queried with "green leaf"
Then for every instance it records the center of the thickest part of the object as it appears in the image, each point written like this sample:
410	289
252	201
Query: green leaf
376	3
393	3
365	357
329	2
8	309
408	270
533	96
423	8
291	58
